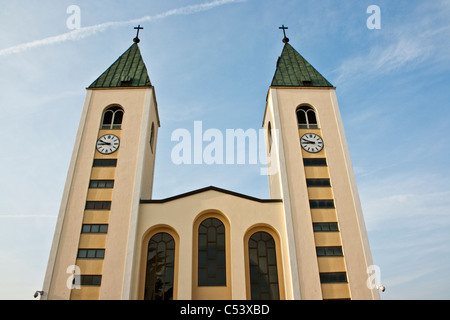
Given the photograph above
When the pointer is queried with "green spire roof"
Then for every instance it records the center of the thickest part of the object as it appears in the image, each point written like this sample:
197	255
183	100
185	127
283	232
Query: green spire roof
294	71
128	71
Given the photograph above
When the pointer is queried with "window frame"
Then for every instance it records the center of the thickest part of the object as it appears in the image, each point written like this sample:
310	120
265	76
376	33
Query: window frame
104	163
322	204
98	205
333	277
269	136
325	227
154	243
331	251
152	137
90	280
318	183
87	228
95	184
315	162
212	271
266	267
307	112
115	110
91	254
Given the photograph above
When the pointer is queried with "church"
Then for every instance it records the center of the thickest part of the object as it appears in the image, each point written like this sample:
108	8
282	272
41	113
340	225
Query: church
113	241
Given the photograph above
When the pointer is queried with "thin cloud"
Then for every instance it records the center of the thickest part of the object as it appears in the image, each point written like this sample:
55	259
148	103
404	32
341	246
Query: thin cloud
92	30
407	199
405	47
384	60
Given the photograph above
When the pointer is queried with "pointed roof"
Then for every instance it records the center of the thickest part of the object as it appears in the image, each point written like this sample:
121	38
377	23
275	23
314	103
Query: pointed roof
127	71
294	71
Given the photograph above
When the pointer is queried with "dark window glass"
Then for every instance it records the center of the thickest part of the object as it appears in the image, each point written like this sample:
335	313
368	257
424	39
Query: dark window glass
82	253
321	204
118	116
90	280
160	267
112	118
318	182
105	163
101	184
333	277
91	253
329	251
152	136
263	267
311	118
98	205
269	134
315	162
107	118
301	117
325	227
94	228
211	253
306	118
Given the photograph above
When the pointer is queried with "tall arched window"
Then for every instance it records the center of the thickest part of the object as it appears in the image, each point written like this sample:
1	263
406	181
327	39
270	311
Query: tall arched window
270	138
211	253
112	118
159	279
306	118
263	267
152	136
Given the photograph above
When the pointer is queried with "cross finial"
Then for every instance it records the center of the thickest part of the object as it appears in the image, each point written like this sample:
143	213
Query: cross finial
138	28
285	39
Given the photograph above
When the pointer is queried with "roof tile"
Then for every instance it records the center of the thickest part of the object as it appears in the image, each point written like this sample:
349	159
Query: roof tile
127	71
294	71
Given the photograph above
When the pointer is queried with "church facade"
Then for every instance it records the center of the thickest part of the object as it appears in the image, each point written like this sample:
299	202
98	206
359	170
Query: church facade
114	241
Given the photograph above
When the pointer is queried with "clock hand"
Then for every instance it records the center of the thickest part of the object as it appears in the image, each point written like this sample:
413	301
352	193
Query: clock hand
104	142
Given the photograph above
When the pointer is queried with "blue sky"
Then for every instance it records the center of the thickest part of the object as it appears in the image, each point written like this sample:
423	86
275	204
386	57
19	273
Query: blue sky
214	61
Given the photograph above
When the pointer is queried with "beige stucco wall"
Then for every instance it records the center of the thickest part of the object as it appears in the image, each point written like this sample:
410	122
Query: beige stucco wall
131	222
139	105
289	182
239	214
281	110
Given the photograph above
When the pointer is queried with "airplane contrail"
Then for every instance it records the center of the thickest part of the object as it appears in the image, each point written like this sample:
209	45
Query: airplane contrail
92	30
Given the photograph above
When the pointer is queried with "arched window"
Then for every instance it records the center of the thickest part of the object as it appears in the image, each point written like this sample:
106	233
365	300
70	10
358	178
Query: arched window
211	253
306	118
159	279
112	118
152	136
263	267
269	134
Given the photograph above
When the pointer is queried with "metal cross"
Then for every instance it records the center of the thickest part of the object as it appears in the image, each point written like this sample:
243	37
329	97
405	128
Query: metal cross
285	39
138	28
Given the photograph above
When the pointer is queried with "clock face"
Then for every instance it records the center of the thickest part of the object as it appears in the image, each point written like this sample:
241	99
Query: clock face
311	142
108	144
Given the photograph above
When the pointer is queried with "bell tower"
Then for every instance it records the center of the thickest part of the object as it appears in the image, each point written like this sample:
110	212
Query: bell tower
310	169
111	170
